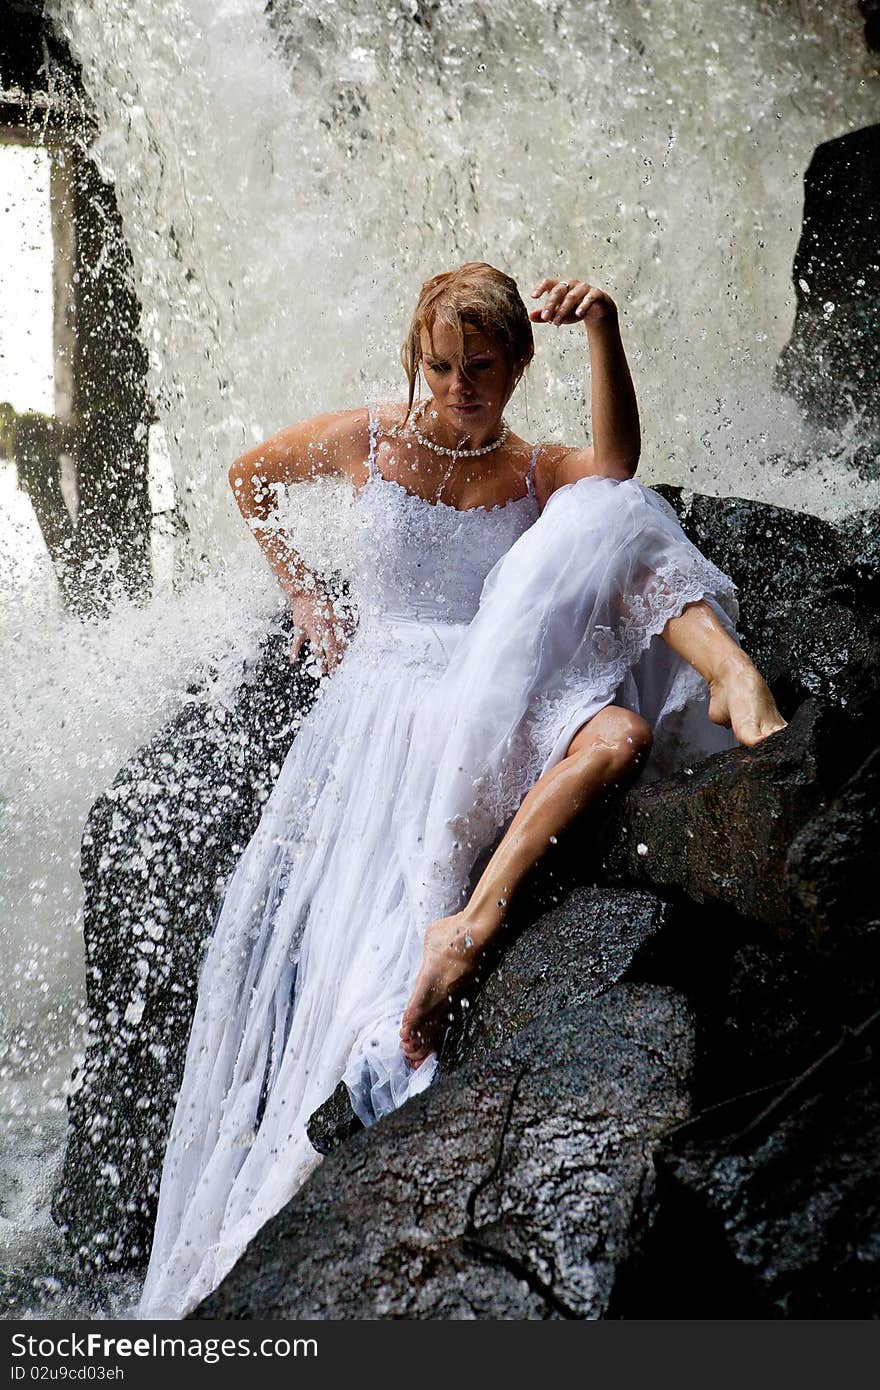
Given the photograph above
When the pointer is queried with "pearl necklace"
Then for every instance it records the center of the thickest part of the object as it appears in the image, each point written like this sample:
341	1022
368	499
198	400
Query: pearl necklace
456	453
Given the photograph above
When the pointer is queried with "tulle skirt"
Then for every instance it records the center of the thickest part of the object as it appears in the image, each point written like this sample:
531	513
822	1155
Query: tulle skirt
413	759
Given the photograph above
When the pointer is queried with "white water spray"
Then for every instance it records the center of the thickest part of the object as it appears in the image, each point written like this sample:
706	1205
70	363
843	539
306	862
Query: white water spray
286	182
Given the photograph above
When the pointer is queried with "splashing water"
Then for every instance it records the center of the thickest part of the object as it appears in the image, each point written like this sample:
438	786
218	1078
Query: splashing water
287	176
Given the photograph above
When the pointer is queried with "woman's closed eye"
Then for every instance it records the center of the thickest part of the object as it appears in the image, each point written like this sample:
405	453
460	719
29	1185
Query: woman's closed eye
479	366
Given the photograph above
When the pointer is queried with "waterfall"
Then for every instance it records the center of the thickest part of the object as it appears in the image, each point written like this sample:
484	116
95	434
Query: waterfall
288	174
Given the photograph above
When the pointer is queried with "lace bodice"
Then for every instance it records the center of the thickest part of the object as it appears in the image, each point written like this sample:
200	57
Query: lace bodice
427	561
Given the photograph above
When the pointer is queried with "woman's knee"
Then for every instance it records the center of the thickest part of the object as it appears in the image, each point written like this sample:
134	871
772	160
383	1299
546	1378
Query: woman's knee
619	733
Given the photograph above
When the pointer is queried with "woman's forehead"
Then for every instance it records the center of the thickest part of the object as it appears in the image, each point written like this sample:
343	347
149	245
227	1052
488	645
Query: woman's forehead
443	340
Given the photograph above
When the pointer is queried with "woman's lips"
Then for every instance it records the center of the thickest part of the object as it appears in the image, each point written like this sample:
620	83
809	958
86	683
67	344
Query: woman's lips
465	409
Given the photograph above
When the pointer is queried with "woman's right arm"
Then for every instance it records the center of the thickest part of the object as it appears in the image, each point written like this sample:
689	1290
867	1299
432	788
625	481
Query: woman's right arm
335	443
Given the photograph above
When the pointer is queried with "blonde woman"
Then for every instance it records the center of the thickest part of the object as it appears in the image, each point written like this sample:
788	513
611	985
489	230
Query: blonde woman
533	631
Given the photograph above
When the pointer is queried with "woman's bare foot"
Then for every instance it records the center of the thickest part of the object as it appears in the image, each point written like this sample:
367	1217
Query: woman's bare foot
452	949
742	700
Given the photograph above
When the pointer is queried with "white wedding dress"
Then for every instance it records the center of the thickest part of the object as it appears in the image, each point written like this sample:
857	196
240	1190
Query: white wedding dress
486	637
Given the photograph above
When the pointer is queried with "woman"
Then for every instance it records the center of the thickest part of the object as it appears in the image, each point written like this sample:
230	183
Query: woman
534	630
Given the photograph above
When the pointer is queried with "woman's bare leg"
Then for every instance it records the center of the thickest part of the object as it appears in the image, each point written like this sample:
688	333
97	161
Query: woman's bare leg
606	752
740	697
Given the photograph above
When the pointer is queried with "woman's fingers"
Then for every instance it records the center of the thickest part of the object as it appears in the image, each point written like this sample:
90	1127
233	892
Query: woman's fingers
316	622
567	301
340	643
546	284
591	297
295	647
332	648
566	310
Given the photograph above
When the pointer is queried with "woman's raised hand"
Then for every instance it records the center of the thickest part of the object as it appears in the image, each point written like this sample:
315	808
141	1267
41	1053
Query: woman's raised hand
314	618
571	301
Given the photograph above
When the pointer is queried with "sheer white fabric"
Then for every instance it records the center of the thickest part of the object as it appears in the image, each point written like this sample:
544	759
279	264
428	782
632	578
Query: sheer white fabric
485	639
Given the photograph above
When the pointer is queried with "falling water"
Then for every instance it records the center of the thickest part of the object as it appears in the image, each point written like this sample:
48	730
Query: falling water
287	175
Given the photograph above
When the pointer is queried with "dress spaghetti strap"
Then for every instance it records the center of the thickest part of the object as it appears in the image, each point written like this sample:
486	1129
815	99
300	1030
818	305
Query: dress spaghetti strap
530	476
374	431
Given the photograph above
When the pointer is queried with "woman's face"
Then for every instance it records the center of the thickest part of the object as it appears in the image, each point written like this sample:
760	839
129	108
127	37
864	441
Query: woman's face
469	404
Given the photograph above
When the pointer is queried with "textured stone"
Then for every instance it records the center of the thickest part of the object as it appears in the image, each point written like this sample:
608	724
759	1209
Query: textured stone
333	1122
796	1213
831	364
721	833
513	1188
809	594
569	956
833	863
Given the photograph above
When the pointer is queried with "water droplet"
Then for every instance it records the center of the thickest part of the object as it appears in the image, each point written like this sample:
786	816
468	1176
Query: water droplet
641	848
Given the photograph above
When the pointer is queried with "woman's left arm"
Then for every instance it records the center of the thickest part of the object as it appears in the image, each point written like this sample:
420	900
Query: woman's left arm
614	452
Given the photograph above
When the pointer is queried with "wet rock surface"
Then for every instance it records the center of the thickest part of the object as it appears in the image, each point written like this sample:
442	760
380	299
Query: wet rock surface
809	595
514	1188
569	956
833	863
333	1122
565	957
156	852
721	833
831	364
786	1224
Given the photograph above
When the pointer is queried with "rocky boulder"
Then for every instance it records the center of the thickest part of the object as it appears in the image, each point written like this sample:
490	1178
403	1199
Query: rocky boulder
809	595
514	1188
560	959
719	833
566	958
831	365
783	1220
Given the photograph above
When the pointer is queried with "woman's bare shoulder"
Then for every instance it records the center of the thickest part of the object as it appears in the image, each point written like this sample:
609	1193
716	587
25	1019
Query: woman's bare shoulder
344	432
338	441
389	415
548	466
332	442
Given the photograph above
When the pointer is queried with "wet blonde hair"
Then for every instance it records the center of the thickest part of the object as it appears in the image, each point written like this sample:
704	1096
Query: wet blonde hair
482	297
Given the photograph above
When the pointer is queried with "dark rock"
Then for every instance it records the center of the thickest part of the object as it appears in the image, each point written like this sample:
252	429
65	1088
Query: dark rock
860	543
832	881
766	1023
831	364
570	955
809	594
797	1212
513	1188
871	11
771	553
157	850
833	862
819	647
720	832
333	1122
567	957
